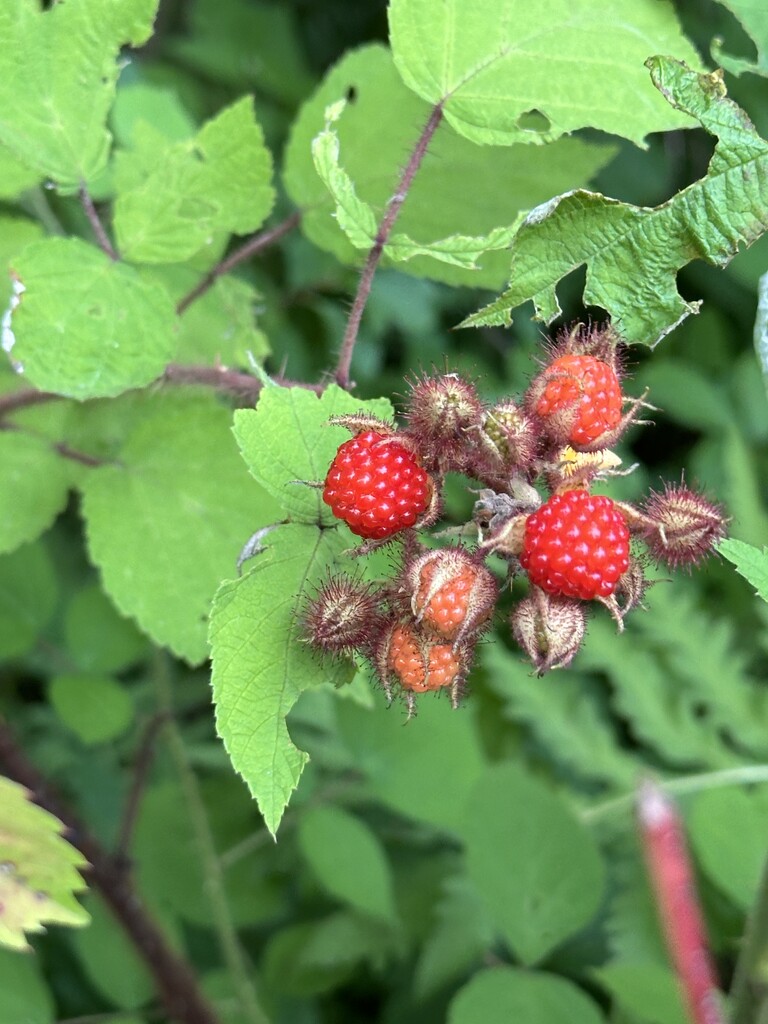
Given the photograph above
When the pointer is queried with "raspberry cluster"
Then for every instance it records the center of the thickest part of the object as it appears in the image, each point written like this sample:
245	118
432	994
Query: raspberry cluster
536	459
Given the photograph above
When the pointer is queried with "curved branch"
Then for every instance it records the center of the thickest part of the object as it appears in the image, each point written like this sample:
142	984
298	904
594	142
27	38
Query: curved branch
374	256
175	980
256	244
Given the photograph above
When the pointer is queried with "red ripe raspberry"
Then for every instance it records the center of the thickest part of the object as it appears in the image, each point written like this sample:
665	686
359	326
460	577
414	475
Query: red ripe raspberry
576	545
420	668
376	486
580	396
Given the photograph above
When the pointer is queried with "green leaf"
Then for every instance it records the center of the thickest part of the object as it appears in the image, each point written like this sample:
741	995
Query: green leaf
753	18
96	708
659	711
96	637
28	596
286	439
309	959
170	872
160	107
650	992
39	875
358	221
700	653
380	125
166	522
15	176
633	254
220	181
406	768
25	997
461	936
85	326
503	994
728	829
58	70
750	562
538	868
34	485
348	860
740	486
563	715
492	63
260	666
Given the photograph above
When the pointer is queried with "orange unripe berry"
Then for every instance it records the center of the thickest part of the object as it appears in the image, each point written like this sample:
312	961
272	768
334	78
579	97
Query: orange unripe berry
452	592
420	666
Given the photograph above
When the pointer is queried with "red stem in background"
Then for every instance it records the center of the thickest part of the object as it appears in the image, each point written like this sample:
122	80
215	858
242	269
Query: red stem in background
669	866
374	256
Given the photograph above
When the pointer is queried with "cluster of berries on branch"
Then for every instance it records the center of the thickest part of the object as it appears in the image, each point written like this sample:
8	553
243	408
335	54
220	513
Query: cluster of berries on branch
536	461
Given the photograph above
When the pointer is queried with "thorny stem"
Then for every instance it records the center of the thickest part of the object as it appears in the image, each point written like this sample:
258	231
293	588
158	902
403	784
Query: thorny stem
749	992
256	244
176	983
671	874
95	221
243	385
374	256
222	919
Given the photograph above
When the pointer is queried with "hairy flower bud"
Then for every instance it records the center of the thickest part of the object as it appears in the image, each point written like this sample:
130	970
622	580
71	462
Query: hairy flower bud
680	527
442	410
549	629
343	616
505	445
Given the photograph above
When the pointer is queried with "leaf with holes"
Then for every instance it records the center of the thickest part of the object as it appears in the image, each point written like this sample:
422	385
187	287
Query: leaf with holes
58	70
381	124
633	254
581	61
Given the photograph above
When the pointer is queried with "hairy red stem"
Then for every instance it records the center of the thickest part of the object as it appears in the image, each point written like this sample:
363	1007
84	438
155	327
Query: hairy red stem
95	221
374	256
256	244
